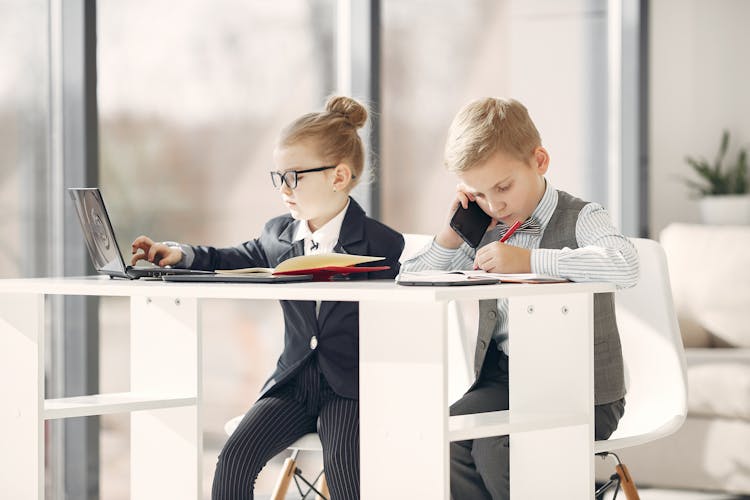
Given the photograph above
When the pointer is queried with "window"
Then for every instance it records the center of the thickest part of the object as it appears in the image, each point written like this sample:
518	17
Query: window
24	172
191	100
456	52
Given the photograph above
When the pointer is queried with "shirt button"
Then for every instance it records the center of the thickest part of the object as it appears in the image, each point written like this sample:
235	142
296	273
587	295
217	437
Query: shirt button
313	342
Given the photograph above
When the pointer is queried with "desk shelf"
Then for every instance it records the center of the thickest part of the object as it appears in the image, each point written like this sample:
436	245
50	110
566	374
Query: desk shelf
499	423
102	404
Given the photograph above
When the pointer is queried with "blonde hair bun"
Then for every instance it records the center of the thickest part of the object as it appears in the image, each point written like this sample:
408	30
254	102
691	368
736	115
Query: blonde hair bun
333	133
354	112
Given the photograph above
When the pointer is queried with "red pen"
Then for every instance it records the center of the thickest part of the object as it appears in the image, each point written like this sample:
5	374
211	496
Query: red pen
507	234
510	231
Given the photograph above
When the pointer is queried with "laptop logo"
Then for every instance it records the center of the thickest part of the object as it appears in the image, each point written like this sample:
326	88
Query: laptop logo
100	232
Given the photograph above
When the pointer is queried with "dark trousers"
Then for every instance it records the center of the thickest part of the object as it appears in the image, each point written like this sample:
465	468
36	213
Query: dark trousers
303	405
480	467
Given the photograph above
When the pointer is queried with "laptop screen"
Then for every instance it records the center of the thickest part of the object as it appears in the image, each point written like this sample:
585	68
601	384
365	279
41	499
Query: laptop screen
97	231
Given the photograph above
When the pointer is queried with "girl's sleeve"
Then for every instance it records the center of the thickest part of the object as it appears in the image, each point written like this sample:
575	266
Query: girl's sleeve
251	253
247	254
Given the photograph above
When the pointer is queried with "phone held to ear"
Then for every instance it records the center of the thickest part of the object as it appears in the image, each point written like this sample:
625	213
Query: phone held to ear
470	223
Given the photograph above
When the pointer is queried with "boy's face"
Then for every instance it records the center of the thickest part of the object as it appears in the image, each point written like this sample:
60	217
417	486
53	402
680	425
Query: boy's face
506	188
312	198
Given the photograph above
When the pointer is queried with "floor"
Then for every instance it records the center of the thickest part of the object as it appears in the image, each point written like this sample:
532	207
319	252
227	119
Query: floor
656	494
645	494
115	485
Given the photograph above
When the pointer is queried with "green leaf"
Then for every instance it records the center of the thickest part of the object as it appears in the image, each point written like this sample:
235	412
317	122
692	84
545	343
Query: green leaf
740	177
719	180
722	151
700	189
700	166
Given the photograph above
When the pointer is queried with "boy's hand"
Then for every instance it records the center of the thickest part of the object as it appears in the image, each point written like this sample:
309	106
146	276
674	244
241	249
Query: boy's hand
499	257
158	253
447	237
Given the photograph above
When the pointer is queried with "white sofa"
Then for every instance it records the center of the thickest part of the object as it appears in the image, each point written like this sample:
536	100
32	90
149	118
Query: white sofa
710	274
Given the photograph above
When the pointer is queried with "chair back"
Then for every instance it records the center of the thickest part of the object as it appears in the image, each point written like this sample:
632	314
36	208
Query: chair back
413	244
655	376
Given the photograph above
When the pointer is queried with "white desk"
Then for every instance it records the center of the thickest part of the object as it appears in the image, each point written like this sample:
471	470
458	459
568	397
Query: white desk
405	428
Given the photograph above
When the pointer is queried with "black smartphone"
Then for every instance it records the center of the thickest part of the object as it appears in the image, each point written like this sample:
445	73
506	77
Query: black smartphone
470	223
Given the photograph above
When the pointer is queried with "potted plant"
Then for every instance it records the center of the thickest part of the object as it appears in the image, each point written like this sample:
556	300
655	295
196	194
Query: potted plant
724	191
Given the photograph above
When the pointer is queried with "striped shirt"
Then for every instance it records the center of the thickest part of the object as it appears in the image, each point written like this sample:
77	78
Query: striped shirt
603	254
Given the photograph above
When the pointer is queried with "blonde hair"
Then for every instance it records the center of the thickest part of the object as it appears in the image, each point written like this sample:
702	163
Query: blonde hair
486	126
333	133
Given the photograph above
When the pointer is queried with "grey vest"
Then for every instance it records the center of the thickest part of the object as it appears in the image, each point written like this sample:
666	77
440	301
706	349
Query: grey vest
609	381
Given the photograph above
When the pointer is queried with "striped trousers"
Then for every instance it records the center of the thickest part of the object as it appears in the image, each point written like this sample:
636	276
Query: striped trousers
302	405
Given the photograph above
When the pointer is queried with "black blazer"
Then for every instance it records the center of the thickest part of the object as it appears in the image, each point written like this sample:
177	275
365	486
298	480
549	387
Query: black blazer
336	327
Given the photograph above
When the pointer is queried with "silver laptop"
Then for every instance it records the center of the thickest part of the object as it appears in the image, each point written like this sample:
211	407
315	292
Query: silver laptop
102	244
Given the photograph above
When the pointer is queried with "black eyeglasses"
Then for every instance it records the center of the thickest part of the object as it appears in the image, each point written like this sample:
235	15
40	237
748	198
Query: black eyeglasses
290	176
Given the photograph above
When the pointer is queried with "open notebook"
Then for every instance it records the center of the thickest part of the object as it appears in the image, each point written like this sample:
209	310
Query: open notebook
319	267
453	278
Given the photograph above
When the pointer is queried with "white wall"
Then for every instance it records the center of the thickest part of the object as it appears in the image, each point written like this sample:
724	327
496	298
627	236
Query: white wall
559	71
699	85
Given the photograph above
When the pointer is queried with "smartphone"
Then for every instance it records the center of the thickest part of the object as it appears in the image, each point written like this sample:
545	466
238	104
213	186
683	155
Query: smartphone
470	223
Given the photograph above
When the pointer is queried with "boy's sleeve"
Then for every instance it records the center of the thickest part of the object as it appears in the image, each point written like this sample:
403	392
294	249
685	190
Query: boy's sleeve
603	254
435	256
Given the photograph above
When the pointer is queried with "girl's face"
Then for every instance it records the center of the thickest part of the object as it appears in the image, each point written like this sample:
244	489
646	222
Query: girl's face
319	195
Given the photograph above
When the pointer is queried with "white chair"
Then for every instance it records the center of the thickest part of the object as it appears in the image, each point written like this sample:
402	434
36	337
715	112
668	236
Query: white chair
655	374
653	355
413	244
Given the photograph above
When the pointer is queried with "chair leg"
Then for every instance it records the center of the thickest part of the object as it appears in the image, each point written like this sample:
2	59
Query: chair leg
285	477
621	478
322	487
626	481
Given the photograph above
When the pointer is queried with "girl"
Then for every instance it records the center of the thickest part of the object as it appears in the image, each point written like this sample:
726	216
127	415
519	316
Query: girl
319	158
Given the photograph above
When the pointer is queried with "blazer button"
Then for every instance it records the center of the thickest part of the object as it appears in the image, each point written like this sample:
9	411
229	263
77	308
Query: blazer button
482	344
492	314
313	342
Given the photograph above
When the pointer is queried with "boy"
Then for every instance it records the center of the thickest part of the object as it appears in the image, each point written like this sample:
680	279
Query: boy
495	151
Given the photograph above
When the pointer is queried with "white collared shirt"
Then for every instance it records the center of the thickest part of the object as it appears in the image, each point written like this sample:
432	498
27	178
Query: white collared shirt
323	239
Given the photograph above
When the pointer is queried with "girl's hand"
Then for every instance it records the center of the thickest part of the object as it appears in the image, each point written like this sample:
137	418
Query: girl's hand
447	237
499	257
145	248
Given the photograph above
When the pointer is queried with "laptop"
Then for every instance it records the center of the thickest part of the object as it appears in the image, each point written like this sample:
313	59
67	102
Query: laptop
102	244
